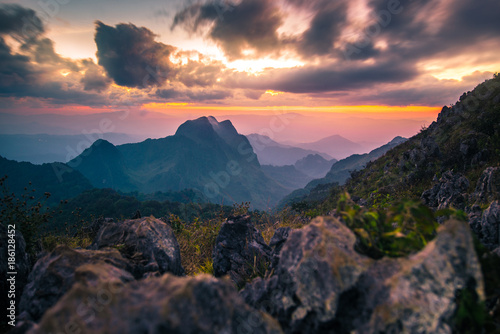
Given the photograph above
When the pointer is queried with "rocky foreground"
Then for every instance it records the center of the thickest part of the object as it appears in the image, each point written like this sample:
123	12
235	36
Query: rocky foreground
130	280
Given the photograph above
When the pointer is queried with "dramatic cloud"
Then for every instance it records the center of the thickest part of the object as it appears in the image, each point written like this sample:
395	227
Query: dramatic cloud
198	72
131	56
324	30
94	78
250	26
22	23
315	79
16	71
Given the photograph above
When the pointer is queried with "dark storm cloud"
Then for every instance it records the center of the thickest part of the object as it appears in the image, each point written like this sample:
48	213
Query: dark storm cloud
455	26
131	56
327	78
16	71
251	24
35	72
323	31
94	79
21	23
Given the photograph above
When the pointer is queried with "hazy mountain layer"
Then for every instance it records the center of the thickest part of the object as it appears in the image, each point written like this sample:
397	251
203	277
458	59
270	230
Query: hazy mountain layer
203	154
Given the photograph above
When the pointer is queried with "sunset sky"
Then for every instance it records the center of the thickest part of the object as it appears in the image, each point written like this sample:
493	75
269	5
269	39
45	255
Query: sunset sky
367	59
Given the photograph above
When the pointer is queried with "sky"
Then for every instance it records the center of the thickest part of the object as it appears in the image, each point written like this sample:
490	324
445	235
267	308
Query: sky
346	66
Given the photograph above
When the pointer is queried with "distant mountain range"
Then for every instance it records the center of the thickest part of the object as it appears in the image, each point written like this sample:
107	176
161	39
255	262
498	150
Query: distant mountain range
340	172
203	154
273	153
44	148
335	146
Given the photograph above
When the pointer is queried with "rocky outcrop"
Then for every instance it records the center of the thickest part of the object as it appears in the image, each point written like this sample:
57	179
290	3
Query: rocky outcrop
238	248
55	274
166	304
488	186
277	241
450	191
318	264
323	286
490	226
418	156
148	243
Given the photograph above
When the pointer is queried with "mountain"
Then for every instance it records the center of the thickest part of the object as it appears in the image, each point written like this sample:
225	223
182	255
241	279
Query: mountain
58	179
314	165
454	162
44	148
335	146
273	153
340	172
287	176
204	155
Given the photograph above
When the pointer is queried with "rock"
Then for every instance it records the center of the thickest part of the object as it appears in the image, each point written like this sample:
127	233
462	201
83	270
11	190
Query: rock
20	262
420	296
95	226
475	216
469	148
56	273
137	215
323	286
430	147
166	304
450	191
276	244
488	186
238	247
490	226
148	243
318	263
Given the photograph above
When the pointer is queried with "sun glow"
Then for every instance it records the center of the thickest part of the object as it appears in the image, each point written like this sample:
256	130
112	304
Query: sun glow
273	93
258	66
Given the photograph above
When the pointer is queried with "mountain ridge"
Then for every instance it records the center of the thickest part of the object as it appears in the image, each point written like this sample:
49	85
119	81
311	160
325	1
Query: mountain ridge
203	154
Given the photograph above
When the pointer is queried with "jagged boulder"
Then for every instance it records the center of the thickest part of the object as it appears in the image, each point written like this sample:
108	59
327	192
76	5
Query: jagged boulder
323	286
450	191
318	263
488	186
490	226
166	304
421	294
54	274
277	241
13	258
148	243
238	247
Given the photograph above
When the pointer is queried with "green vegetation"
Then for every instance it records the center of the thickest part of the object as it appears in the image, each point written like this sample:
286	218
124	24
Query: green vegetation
404	228
27	213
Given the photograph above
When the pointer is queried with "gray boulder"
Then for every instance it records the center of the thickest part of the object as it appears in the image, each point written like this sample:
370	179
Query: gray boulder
323	286
488	186
318	264
490	226
54	274
166	304
450	191
238	248
277	241
148	243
